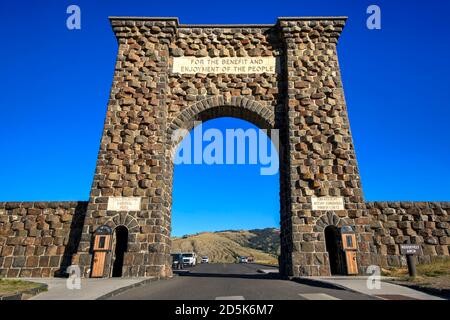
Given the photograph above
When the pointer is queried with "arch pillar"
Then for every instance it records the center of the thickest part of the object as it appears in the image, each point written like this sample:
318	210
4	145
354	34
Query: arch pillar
322	160
131	159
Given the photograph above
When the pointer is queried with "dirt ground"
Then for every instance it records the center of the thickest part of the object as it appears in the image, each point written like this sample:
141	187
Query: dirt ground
434	275
440	282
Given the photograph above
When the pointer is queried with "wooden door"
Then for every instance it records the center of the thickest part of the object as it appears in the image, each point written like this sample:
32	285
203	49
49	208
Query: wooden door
352	266
102	242
349	241
98	265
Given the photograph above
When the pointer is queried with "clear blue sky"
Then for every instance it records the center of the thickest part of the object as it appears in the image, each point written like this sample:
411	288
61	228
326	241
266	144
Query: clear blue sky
218	197
55	85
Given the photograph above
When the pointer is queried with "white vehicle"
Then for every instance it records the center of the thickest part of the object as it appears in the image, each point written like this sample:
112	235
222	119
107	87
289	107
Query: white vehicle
205	259
243	259
189	259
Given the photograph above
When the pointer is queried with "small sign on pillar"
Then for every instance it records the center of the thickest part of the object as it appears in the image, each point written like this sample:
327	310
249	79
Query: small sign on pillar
411	250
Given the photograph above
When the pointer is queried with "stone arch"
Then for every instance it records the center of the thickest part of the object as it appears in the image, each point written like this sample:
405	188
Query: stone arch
222	106
308	107
330	218
123	219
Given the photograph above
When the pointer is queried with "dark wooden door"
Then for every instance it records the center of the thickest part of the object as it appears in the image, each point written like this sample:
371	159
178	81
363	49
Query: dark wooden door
102	245
98	265
352	266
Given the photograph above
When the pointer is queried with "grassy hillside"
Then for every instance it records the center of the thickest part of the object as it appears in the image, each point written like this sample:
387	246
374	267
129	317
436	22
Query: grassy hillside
227	246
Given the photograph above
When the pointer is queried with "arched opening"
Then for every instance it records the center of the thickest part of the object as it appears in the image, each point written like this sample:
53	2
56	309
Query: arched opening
333	249
121	245
220	208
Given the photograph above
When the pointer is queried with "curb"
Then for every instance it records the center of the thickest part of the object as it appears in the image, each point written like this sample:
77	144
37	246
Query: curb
23	295
442	293
131	286
328	285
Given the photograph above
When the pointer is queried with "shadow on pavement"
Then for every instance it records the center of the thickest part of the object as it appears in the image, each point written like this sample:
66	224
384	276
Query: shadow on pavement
317	284
270	276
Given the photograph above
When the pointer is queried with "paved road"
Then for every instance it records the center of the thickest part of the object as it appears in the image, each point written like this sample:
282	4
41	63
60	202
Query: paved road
234	282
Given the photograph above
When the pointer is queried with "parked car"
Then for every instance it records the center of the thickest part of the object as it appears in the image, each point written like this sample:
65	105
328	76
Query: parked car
189	259
205	259
243	259
177	261
250	259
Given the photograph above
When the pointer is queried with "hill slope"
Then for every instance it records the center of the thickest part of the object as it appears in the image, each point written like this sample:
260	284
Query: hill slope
227	246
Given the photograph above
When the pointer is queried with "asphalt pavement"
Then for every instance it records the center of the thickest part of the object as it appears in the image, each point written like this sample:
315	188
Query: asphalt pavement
235	282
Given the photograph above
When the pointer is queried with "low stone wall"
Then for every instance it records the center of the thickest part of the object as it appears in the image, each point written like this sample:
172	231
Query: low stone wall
394	223
38	239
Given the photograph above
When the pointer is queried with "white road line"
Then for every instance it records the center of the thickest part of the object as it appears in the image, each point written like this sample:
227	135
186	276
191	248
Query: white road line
231	298
317	296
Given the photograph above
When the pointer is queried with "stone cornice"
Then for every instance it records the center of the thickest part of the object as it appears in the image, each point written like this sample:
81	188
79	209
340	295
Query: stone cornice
268	25
133	18
331	18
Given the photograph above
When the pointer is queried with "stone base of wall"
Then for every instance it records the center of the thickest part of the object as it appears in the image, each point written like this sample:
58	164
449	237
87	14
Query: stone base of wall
38	239
424	223
135	264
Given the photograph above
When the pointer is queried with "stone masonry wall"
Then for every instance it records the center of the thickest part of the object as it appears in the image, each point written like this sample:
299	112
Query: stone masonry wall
322	161
38	239
394	223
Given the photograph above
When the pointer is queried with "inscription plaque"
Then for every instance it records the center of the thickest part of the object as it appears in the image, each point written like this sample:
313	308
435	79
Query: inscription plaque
327	203
232	65
124	203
